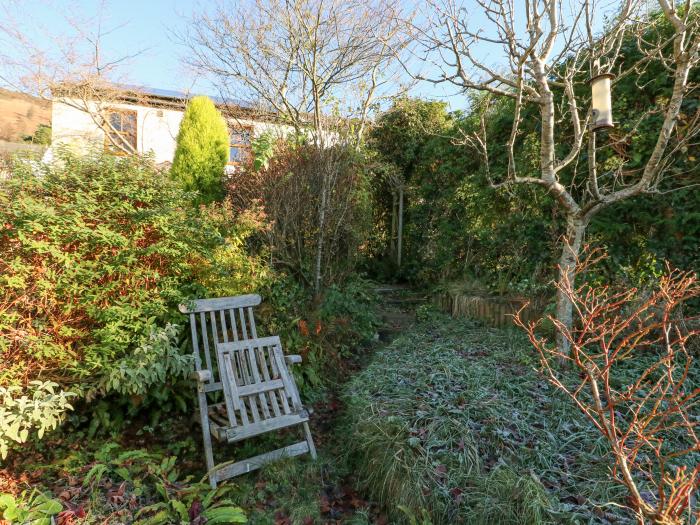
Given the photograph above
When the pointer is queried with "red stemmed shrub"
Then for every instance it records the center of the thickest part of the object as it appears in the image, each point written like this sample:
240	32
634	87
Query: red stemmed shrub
631	372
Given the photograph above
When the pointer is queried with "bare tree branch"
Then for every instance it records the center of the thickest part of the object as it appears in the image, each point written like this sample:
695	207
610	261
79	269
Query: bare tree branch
551	49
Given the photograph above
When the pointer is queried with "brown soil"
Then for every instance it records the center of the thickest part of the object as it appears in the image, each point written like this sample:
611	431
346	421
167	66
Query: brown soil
20	115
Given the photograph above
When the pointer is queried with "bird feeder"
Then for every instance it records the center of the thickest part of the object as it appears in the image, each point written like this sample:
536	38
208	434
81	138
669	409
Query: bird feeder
601	101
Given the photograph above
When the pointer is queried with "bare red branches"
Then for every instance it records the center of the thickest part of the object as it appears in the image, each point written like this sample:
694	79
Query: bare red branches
633	377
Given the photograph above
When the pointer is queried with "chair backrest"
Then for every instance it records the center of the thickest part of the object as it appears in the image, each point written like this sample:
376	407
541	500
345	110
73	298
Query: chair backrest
258	388
219	320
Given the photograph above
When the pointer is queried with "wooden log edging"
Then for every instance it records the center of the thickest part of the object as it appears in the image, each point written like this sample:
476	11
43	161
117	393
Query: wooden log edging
495	311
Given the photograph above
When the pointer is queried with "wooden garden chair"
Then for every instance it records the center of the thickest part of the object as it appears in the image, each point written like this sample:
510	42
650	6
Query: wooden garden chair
259	391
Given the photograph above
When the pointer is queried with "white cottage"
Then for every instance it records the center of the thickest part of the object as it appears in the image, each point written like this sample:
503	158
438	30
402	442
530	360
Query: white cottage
148	121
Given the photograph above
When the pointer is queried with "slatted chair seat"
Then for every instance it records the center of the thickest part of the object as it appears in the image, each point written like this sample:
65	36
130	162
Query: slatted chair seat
222	431
259	392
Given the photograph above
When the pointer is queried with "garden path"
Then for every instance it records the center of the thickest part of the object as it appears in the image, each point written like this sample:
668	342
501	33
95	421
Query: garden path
340	503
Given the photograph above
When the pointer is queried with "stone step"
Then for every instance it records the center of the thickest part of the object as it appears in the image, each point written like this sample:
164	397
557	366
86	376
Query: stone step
399	302
389	288
397	314
406	300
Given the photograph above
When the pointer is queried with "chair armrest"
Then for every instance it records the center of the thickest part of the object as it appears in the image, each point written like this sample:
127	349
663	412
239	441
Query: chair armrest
201	376
292	359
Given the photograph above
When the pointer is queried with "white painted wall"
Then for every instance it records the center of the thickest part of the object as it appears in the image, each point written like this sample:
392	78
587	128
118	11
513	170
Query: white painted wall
157	131
73	128
157	128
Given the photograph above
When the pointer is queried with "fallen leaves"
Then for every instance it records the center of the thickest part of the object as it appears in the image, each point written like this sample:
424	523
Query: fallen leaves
116	496
457	495
70	515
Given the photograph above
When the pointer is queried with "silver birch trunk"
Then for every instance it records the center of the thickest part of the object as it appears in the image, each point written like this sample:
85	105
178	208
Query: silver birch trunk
400	238
392	239
571	249
321	228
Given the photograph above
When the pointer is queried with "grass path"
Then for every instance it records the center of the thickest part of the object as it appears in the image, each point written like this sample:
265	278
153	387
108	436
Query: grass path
452	418
323	492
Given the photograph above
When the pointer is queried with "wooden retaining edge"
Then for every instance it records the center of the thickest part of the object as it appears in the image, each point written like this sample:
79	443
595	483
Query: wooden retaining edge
496	311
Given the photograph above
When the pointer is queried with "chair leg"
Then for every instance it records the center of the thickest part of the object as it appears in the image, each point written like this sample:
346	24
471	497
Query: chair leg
310	440
206	436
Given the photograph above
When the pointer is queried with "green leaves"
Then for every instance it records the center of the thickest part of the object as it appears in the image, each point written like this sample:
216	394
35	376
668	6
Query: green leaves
189	504
226	514
38	408
96	255
155	361
35	508
263	148
202	150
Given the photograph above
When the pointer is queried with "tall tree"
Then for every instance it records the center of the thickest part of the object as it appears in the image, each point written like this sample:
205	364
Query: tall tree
540	54
319	65
202	150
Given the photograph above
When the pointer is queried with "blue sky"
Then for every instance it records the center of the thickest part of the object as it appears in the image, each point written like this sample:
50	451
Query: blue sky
150	26
146	26
142	25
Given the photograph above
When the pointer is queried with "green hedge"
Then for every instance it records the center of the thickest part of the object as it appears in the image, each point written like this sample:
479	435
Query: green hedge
95	255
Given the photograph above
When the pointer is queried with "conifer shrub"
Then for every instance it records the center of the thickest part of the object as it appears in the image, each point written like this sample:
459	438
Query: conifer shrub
202	150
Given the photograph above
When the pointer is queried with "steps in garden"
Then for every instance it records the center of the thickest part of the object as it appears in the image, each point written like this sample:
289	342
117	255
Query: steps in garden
397	310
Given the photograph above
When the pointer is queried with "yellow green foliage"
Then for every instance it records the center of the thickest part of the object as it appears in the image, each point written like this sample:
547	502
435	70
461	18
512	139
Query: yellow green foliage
202	150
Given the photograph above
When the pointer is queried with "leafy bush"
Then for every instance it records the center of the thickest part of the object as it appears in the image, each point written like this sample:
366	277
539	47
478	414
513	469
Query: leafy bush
30	507
151	476
325	331
286	188
20	413
109	483
348	313
202	150
455	225
42	135
96	255
151	363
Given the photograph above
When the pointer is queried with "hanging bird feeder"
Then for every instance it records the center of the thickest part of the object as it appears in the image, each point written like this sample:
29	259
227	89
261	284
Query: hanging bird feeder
601	101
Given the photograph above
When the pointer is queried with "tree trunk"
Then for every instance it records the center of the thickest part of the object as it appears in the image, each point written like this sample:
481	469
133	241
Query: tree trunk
319	142
392	238
575	230
400	238
321	231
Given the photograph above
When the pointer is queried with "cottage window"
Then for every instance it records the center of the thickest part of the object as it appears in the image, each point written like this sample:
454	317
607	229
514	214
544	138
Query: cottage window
239	151
120	132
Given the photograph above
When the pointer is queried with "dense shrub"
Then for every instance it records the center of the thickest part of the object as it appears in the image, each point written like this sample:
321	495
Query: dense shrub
328	335
507	239
42	135
456	226
202	150
286	188
282	191
21	414
326	330
96	253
